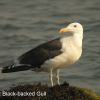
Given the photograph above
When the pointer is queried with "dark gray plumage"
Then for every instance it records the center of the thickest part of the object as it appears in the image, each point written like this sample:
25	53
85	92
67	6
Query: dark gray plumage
36	57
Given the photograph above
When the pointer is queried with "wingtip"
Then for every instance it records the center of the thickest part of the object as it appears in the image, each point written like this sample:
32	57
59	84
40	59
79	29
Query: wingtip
5	70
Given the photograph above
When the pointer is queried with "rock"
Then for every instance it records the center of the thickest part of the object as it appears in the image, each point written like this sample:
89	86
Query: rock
43	92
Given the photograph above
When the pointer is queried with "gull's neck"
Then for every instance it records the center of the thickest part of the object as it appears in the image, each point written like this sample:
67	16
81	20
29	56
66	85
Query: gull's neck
77	39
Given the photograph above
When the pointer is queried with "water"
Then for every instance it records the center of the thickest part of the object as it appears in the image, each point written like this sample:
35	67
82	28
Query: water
27	23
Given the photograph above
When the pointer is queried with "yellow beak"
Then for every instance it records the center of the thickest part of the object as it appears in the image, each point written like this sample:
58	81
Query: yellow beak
62	30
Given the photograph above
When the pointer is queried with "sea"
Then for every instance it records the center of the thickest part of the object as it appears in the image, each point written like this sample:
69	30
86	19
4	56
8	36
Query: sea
24	24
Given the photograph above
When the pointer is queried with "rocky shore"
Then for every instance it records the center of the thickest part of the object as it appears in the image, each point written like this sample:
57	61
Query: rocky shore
44	92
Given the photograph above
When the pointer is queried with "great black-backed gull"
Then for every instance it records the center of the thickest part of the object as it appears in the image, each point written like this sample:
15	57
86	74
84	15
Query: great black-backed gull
52	55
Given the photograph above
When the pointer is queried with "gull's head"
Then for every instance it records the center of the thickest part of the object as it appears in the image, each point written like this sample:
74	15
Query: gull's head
73	28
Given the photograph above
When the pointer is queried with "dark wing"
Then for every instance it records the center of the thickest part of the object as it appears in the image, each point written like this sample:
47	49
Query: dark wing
37	56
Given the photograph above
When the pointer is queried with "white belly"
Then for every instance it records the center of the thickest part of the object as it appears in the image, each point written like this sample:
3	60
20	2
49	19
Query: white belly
61	61
71	53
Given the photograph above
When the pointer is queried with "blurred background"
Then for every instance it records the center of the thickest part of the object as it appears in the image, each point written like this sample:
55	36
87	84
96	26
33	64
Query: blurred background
26	23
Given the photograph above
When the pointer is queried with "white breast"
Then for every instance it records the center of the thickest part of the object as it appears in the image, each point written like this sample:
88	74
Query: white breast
71	53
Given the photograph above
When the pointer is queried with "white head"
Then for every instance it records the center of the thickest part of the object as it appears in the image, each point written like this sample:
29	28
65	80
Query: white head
75	28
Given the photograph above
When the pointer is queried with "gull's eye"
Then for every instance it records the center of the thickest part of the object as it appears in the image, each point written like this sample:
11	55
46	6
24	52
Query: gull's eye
75	26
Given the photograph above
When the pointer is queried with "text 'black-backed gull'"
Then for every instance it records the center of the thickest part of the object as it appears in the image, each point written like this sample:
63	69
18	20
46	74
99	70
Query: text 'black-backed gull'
52	55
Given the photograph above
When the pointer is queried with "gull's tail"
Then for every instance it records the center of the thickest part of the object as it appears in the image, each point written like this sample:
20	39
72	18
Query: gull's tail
16	68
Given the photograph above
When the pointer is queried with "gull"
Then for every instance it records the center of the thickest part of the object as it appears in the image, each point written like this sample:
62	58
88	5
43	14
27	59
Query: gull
52	55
